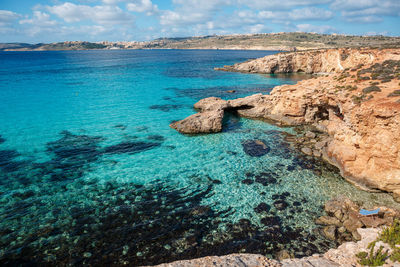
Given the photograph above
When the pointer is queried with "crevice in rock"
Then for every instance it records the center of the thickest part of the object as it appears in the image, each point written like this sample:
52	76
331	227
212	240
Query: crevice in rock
235	109
323	112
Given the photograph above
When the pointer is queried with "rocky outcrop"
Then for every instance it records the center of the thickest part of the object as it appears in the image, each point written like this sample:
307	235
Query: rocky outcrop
326	61
252	260
344	256
244	260
358	109
343	219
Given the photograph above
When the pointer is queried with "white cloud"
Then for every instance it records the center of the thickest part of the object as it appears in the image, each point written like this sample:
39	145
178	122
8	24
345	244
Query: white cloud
279	4
39	19
315	28
366	11
105	15
111	2
310	13
40	23
307	13
8	17
192	11
145	6
257	28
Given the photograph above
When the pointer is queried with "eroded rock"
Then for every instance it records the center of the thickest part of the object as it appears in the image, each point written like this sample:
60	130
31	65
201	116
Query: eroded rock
202	122
362	130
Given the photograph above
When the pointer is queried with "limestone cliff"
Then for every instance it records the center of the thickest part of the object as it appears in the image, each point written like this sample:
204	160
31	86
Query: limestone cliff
317	61
357	106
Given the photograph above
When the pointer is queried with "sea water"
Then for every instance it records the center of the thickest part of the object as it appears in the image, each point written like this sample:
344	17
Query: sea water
91	172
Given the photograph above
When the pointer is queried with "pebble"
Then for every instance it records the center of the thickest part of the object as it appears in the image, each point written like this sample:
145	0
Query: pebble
307	151
310	134
87	254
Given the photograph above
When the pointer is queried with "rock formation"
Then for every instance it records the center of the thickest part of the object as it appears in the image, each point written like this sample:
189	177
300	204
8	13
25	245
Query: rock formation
246	260
357	107
317	61
343	219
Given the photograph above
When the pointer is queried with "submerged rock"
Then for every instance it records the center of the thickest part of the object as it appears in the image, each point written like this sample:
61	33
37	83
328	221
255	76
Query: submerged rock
362	130
262	207
255	148
280	204
7	156
130	147
120	126
166	107
156	137
248	181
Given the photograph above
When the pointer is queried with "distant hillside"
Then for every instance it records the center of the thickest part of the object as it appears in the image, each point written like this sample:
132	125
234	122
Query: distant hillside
271	41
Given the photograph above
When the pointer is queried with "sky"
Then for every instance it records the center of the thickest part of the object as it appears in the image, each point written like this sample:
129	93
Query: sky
141	20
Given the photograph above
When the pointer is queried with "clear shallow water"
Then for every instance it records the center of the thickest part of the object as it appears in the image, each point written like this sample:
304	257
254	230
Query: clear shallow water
91	173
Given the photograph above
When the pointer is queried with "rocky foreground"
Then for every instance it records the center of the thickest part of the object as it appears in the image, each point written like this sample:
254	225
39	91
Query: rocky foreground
344	256
355	104
342	223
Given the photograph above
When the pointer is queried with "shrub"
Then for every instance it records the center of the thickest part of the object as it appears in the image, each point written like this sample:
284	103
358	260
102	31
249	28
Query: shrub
358	99
372	259
363	78
394	93
372	88
391	234
395	255
351	88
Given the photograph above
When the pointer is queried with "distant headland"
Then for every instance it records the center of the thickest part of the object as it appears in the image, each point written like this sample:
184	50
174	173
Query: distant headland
291	41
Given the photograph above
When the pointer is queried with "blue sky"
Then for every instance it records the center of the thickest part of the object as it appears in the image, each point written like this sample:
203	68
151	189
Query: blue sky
137	20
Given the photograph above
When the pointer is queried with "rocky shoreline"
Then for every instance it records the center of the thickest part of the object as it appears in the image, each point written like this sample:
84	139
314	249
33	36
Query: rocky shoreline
352	232
355	105
349	117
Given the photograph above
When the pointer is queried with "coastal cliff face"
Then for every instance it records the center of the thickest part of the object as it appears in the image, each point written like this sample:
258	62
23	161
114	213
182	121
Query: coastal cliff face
357	106
325	61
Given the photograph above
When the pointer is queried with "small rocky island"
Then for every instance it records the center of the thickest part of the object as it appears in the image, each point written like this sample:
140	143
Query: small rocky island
353	101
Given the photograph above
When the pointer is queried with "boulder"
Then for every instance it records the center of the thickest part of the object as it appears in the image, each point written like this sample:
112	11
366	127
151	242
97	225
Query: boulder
307	151
282	255
330	232
203	122
310	134
338	214
327	220
372	221
352	224
211	104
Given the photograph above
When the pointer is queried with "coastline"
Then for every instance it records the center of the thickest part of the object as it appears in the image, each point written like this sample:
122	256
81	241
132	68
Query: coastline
355	104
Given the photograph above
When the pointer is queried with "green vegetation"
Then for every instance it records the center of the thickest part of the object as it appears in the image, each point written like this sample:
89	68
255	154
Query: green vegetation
372	258
370	89
358	99
342	76
278	41
395	256
351	88
391	235
394	93
384	72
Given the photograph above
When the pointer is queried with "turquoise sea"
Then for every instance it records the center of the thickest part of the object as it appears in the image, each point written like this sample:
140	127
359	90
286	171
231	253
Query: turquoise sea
92	174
